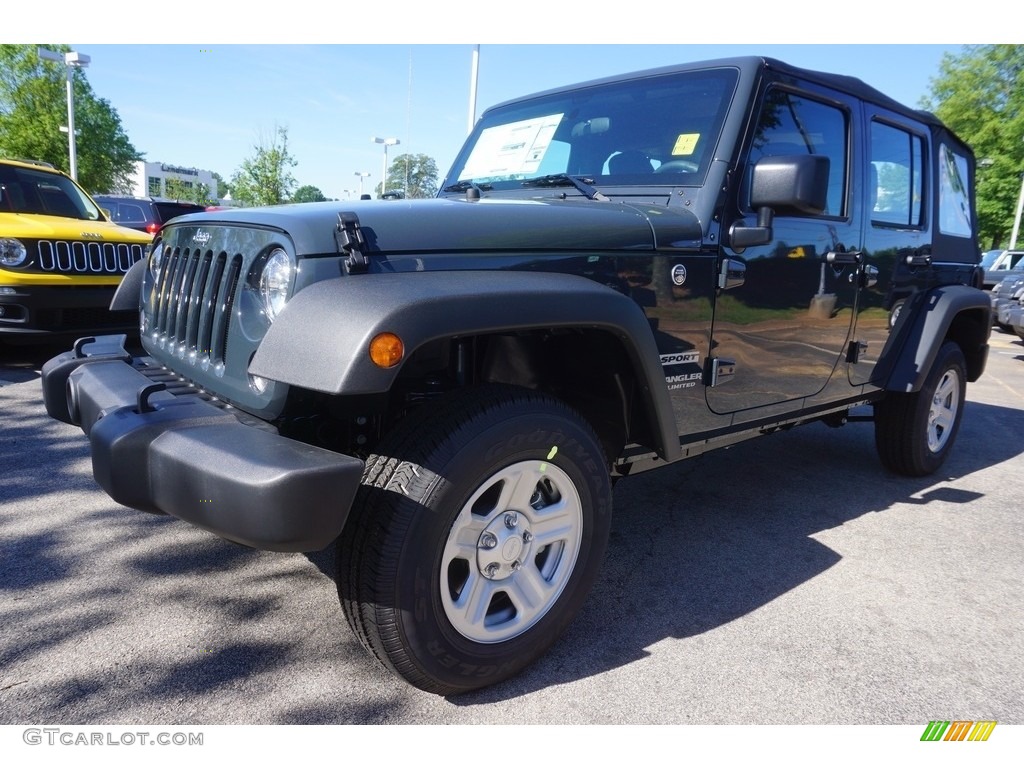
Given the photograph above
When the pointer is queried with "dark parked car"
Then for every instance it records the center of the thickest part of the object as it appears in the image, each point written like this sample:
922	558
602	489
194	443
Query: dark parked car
146	214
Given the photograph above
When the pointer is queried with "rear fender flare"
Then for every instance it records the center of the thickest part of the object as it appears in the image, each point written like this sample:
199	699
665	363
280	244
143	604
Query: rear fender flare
937	316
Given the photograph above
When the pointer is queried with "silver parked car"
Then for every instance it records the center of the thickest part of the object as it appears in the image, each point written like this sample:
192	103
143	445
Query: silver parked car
1006	295
1015	319
997	263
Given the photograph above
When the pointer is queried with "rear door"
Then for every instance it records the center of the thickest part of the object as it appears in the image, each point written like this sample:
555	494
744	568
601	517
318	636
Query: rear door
895	196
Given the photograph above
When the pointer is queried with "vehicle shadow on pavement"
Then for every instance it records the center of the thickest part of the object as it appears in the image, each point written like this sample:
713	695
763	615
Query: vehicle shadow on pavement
21	362
693	547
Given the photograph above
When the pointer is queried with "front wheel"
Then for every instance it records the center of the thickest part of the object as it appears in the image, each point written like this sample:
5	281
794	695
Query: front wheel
477	534
915	431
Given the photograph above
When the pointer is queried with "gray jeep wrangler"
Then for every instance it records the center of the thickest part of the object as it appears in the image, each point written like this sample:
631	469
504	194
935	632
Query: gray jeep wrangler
615	276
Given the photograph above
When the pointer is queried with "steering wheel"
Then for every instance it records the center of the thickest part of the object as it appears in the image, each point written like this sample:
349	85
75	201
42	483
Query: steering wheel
677	166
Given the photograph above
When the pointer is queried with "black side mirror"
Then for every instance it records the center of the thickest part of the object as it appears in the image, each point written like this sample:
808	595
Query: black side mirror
782	184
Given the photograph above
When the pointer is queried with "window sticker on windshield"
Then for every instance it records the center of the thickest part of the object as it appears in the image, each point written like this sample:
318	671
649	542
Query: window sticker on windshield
512	150
685	144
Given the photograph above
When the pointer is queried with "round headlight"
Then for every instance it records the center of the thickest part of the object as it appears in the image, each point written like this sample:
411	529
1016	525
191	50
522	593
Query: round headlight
12	252
275	280
156	261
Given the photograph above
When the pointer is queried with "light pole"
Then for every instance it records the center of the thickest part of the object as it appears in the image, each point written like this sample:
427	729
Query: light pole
1016	219
71	59
362	175
387	143
474	72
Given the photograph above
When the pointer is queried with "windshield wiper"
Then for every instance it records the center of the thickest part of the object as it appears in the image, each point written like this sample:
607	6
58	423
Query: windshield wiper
462	186
583	183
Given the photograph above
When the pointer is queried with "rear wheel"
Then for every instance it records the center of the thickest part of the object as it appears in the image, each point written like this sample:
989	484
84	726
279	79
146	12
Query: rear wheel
479	530
915	431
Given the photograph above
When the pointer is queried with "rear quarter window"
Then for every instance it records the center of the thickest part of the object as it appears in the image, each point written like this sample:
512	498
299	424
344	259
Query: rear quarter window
954	194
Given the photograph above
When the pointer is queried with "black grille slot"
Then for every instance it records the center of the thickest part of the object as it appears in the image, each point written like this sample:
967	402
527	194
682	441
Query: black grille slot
194	298
188	273
88	258
222	320
210	300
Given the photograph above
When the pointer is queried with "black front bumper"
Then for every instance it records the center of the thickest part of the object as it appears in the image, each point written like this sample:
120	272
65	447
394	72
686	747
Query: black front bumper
180	455
34	311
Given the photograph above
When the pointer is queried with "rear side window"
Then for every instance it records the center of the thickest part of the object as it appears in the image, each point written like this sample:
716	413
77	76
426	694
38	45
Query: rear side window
895	184
954	194
129	213
792	124
168	211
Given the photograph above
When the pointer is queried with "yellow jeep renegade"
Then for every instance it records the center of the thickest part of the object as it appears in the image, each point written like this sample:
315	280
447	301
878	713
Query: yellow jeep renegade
60	257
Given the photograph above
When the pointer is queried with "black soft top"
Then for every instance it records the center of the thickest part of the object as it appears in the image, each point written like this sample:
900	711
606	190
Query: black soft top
846	83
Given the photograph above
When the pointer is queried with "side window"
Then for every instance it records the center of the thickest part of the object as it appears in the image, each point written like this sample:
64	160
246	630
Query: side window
895	182
131	213
954	196
792	124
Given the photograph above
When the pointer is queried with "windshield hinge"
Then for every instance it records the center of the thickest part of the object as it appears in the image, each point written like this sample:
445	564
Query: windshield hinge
350	240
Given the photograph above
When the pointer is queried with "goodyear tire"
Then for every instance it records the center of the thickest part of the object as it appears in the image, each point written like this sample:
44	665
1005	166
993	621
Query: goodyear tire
914	432
478	532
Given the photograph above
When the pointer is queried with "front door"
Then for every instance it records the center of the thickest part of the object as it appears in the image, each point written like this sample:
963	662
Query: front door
780	336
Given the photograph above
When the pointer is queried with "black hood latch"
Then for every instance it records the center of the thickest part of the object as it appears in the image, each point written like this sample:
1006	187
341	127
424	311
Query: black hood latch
350	240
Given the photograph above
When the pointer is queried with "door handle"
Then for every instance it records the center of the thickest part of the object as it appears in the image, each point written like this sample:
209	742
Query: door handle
844	257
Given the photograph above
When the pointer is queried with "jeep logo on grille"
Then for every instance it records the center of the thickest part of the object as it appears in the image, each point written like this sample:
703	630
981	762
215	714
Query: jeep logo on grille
92	236
201	237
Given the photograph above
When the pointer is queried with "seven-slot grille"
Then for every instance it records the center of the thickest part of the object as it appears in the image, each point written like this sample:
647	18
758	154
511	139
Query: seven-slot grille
80	257
193	301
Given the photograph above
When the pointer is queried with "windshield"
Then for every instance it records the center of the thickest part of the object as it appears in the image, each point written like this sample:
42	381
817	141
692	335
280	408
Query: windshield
23	190
653	130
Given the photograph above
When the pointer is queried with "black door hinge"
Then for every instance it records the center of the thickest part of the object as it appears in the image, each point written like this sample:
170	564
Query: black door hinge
350	240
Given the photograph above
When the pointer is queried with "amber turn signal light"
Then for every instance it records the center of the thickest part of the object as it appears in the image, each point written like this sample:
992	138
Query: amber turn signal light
386	350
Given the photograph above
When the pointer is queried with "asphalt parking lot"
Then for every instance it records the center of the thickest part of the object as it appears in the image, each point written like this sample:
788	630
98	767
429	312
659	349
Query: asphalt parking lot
787	580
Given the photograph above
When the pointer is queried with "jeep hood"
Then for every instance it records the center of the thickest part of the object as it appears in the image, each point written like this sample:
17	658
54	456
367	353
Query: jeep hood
459	225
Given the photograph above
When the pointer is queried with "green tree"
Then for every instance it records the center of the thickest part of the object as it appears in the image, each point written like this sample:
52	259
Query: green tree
415	175
223	188
979	93
265	178
197	192
308	194
33	107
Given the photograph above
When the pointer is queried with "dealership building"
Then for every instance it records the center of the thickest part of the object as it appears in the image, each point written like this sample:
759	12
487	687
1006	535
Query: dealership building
150	179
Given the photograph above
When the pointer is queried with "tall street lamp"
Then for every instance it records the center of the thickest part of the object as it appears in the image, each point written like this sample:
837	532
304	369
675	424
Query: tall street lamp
72	60
362	175
1016	219
387	143
474	72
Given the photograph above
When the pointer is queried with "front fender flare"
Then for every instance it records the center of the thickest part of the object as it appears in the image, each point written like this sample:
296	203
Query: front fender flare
320	340
128	295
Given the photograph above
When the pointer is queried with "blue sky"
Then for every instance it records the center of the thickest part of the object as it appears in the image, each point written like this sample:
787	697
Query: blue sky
207	105
186	99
